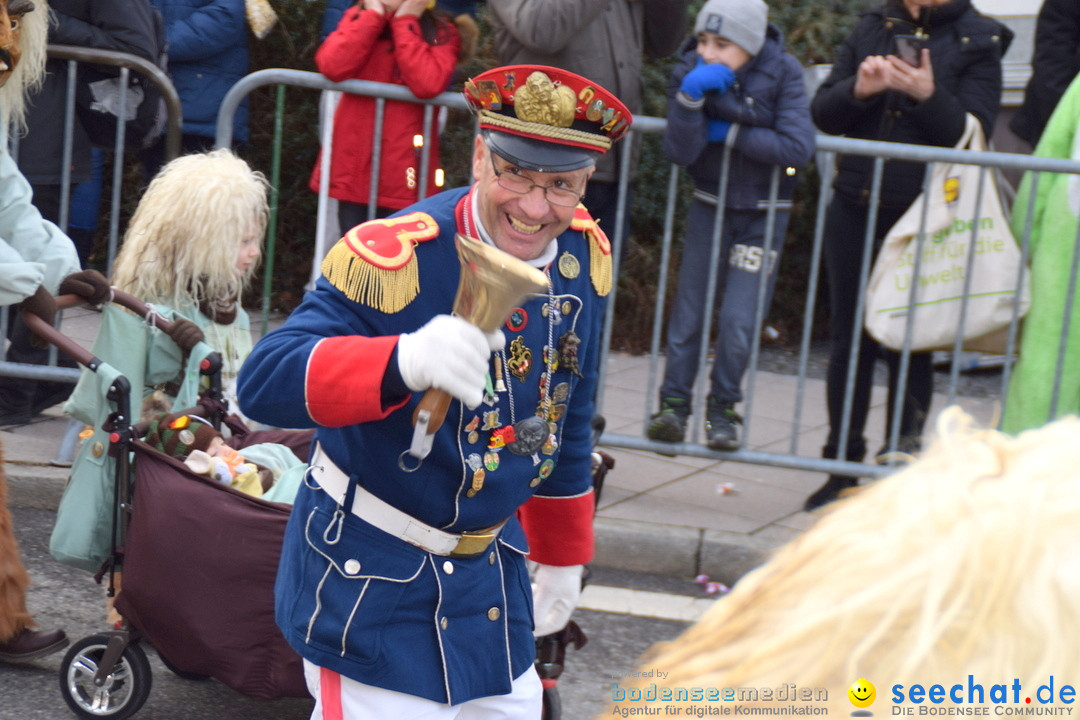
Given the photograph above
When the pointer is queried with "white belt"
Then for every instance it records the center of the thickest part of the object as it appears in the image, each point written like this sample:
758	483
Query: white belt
389	519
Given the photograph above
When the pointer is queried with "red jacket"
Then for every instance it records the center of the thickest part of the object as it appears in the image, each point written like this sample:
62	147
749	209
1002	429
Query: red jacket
370	46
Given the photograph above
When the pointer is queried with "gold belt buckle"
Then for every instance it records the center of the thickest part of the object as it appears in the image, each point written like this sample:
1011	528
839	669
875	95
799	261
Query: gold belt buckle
472	543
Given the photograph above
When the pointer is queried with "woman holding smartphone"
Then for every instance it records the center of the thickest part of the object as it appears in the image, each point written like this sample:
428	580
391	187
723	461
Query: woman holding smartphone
873	93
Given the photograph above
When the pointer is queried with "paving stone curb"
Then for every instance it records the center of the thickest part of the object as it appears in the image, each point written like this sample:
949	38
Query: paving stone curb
677	551
620	544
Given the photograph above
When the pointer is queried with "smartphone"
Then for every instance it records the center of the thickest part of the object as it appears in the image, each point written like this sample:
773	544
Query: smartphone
909	48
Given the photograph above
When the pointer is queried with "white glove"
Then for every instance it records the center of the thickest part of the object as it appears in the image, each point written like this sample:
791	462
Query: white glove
450	354
556	591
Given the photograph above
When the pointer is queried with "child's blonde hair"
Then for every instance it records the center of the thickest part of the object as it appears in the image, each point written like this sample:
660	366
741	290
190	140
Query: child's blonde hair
965	563
181	245
29	74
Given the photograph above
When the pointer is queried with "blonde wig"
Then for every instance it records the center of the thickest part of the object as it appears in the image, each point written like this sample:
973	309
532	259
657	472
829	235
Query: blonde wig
965	563
29	74
181	245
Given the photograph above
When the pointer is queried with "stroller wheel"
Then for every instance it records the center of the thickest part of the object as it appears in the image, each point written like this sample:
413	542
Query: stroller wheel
124	689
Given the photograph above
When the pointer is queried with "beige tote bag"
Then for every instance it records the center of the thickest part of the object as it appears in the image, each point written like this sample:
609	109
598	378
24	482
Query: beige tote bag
996	268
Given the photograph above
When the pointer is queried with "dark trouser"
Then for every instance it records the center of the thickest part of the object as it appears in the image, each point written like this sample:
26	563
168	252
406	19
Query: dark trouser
602	201
742	257
86	207
153	157
845	228
22	399
352	214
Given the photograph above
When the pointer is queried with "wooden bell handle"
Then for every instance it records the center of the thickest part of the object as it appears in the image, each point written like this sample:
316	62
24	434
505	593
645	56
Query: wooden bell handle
437	402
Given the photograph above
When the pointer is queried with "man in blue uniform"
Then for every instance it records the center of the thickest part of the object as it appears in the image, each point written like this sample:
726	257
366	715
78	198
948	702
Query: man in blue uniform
403	584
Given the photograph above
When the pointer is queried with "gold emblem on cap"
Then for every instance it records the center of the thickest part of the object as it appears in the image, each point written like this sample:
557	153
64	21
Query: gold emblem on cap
569	267
542	101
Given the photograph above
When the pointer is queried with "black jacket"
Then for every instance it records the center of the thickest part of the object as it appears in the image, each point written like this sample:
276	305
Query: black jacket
120	25
1055	63
770	119
965	51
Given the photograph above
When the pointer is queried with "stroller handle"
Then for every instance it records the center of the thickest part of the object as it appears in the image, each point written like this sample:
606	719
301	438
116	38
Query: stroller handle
53	336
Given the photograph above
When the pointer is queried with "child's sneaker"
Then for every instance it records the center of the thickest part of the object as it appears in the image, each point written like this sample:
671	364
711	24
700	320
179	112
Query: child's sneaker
721	420
669	425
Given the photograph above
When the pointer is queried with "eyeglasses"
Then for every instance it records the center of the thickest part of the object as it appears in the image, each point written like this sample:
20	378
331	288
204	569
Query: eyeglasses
511	179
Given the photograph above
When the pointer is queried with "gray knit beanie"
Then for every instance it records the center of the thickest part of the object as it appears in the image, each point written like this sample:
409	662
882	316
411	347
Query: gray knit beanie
743	22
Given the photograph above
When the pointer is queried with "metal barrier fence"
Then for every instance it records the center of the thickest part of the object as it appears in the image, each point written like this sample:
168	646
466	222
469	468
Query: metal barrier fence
126	63
828	148
800	406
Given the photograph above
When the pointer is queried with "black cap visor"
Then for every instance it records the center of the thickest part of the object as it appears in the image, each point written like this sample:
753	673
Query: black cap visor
538	155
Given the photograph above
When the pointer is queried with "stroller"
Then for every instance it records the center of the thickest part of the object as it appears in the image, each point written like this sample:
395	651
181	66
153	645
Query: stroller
199	561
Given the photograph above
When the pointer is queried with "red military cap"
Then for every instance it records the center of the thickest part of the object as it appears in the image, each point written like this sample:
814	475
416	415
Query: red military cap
545	119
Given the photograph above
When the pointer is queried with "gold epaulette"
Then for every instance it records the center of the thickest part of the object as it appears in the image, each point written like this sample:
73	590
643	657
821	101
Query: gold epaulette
374	264
599	250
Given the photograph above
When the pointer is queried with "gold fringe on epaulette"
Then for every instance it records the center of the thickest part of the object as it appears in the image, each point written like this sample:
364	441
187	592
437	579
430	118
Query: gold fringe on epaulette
386	290
599	266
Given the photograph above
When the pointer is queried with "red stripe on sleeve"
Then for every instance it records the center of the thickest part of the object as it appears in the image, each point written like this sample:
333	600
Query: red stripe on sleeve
344	378
559	530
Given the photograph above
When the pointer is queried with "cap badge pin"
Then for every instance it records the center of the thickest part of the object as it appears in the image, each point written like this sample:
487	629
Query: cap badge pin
542	101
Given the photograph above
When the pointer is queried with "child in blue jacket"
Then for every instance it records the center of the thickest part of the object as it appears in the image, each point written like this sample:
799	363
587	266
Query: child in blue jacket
736	89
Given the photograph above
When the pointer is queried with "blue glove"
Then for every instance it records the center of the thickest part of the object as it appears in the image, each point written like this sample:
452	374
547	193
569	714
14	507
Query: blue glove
718	130
705	77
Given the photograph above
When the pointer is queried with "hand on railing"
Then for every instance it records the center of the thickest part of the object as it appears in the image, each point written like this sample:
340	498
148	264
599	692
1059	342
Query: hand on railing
185	334
39	310
87	284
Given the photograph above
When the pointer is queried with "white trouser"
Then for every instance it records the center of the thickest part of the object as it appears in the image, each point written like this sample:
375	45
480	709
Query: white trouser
340	698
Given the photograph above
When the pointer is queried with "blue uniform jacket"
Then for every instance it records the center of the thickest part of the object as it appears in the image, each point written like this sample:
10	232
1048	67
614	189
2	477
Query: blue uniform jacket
445	629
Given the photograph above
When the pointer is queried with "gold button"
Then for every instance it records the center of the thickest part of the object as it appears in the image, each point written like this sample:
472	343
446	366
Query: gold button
534	482
493	614
444	623
97	449
491	558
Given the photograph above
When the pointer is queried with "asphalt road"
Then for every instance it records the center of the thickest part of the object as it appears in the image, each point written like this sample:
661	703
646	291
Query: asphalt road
61	596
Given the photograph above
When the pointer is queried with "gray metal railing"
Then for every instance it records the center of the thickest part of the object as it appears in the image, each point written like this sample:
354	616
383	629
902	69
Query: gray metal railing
828	147
126	63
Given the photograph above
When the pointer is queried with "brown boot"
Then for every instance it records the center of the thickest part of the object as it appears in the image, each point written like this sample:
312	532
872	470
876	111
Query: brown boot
31	644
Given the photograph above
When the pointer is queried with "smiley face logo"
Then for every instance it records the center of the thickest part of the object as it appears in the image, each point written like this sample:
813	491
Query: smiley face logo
862	693
952	189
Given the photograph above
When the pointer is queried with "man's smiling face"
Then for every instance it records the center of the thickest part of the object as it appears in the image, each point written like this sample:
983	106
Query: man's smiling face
521	224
